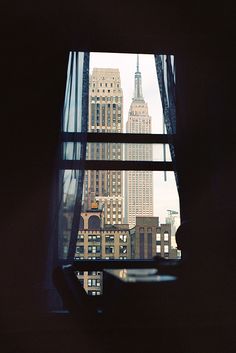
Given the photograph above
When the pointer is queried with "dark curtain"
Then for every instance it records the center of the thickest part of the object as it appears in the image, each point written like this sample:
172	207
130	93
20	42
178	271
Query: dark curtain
165	69
68	187
75	117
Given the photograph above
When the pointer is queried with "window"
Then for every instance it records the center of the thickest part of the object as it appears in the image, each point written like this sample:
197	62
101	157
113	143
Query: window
130	181
94	222
94	238
109	238
141	245
81	238
94	292
166	248
93	282
123	238
80	273
81	280
109	249
123	249
166	236
93	249
94	273
80	249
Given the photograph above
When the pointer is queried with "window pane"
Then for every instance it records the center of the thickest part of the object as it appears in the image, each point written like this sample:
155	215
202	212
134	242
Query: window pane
121	83
125	214
118	151
153	229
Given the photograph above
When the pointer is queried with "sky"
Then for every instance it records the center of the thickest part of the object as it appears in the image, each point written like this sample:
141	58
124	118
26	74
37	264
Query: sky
165	192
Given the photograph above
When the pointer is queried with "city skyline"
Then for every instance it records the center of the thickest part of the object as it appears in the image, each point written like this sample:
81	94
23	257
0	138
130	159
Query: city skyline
165	192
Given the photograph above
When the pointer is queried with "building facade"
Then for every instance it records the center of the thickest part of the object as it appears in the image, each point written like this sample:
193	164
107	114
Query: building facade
98	241
138	184
150	239
105	115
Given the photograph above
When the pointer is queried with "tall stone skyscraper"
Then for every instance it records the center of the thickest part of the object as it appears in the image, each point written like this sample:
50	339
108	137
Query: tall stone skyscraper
138	184
105	115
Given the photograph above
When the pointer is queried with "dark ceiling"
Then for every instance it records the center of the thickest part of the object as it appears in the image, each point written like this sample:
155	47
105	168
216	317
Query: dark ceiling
128	26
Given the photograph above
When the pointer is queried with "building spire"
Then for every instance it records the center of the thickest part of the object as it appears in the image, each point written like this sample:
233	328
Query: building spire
137	63
138	83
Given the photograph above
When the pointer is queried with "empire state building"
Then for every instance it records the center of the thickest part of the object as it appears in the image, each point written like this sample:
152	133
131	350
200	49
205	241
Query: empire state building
138	184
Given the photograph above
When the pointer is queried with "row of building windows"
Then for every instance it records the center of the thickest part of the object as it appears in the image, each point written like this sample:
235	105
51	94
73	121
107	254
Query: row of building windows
90	273
116	99
107	84
106	123
94	292
87	258
103	91
93	249
166	236
158	249
114	222
97	238
107	106
114	217
103	130
94	282
99	258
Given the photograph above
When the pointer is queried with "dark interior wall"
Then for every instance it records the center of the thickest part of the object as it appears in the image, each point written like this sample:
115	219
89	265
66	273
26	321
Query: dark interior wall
35	44
33	78
206	129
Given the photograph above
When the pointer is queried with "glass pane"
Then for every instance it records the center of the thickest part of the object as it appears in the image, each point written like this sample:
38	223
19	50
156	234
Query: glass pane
124	94
125	215
72	151
122	221
68	189
74	120
118	151
72	114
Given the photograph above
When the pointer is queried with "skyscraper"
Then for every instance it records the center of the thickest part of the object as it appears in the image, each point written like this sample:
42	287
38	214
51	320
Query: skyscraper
105	115
139	184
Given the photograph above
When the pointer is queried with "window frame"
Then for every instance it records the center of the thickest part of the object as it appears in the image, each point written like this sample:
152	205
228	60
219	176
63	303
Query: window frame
106	137
112	137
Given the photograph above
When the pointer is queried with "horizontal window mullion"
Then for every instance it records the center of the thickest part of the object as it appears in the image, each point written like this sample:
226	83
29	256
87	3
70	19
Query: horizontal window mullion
116	137
90	265
116	165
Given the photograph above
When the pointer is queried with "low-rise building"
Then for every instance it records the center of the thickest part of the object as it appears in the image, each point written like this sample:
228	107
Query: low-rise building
150	239
98	241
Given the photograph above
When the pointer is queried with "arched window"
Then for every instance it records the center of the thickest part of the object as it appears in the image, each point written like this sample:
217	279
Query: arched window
94	222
